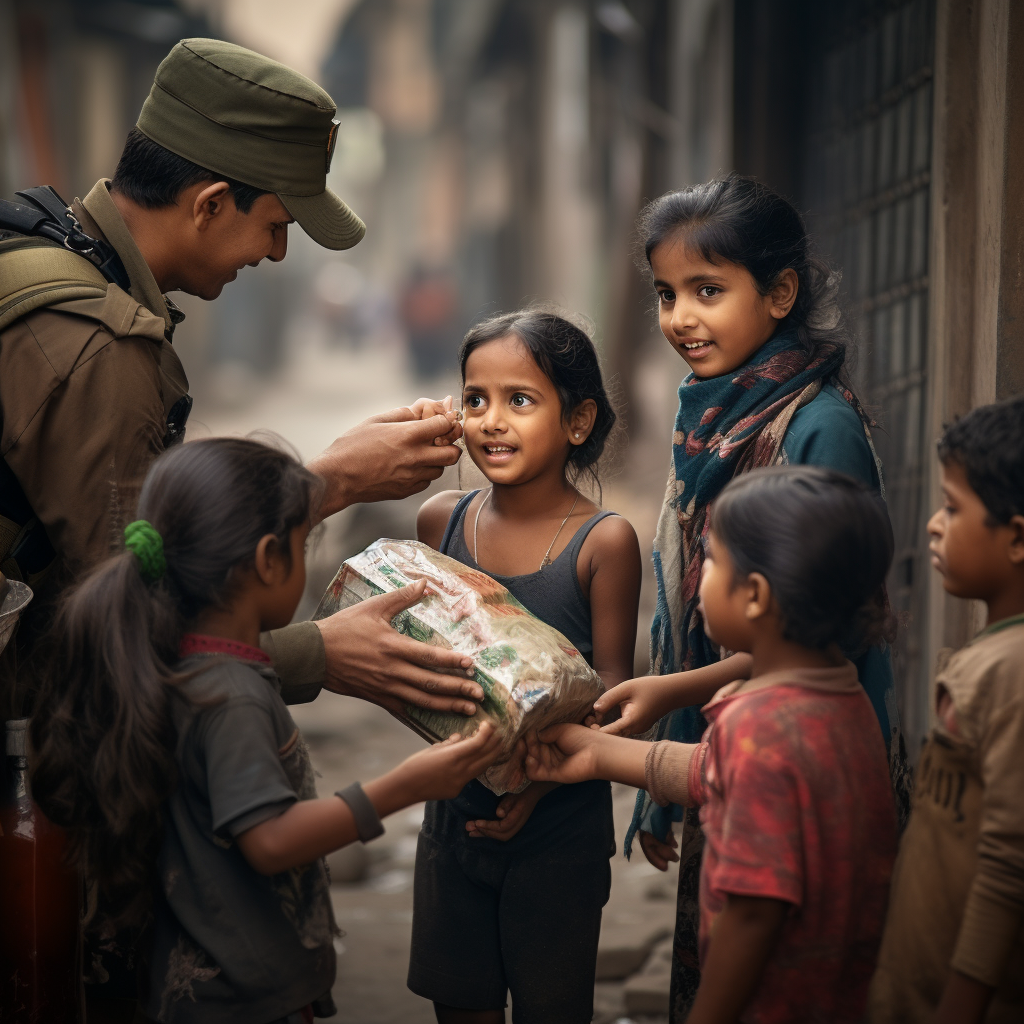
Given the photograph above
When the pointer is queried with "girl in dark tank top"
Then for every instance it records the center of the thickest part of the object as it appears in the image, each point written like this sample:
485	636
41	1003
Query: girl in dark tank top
509	890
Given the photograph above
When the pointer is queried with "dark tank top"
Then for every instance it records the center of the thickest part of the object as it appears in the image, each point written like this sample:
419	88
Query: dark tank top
579	816
553	593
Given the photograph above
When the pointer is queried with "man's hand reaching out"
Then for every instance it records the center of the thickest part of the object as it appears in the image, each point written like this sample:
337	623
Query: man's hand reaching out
388	456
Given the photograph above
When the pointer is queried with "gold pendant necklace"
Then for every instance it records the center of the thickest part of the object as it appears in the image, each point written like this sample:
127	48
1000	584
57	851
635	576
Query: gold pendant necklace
546	560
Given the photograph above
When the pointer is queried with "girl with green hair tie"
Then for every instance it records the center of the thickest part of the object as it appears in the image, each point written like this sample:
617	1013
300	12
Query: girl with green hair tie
165	749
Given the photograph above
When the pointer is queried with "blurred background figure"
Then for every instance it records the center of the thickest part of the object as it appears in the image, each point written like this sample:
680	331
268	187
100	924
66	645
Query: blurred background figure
499	152
429	308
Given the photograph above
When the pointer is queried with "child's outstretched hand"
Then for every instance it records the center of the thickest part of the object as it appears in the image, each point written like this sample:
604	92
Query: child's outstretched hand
562	753
441	771
638	703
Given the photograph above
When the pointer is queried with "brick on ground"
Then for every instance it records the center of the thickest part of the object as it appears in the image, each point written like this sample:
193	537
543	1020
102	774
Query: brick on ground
647	992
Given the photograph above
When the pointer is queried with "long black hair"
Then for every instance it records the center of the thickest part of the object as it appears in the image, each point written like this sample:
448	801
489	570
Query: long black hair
567	357
102	730
824	543
742	221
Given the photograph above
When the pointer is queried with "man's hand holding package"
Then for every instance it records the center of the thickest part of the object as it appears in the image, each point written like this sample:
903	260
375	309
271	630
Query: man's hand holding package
369	659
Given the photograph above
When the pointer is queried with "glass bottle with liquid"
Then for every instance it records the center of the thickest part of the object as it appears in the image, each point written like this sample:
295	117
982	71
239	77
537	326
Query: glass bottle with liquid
40	945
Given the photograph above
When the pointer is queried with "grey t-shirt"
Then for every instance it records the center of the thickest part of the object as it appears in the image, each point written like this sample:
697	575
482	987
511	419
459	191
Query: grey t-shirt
230	945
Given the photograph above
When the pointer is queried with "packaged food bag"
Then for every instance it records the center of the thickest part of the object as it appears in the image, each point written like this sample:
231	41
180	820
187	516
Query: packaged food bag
531	675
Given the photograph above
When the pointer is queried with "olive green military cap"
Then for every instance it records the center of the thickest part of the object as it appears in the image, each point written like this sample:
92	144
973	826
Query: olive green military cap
247	117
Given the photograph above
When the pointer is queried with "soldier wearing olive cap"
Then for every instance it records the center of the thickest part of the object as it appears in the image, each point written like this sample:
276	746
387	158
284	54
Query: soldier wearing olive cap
229	149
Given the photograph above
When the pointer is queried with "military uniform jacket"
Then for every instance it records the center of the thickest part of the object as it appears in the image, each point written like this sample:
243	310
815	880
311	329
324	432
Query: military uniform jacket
86	387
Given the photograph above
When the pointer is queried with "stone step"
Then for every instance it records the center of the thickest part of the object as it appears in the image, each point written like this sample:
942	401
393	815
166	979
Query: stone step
625	948
647	992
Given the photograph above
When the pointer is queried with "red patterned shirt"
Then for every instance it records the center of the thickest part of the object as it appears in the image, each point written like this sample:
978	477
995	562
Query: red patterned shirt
797	806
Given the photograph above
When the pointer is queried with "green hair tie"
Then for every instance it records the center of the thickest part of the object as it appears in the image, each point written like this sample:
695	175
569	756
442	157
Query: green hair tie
143	541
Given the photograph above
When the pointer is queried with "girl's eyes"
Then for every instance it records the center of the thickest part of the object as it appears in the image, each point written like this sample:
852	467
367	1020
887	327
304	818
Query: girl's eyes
706	291
476	402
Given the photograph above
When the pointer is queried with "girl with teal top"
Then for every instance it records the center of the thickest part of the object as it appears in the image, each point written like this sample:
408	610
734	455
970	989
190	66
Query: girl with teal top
752	312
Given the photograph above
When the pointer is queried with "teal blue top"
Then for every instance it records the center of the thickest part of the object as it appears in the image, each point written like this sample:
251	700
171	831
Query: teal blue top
829	432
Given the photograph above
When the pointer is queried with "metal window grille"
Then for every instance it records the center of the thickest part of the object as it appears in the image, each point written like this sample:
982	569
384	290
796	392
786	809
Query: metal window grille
867	174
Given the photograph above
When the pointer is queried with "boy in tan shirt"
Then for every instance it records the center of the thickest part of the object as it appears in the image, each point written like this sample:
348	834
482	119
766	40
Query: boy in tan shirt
953	948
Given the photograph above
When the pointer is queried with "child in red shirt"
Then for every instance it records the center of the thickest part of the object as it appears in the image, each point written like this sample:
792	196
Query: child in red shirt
791	775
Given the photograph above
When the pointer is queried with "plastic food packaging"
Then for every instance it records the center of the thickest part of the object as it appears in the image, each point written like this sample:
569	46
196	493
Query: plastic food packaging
532	677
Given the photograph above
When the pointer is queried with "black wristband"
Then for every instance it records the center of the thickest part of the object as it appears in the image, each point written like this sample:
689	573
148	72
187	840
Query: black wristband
368	823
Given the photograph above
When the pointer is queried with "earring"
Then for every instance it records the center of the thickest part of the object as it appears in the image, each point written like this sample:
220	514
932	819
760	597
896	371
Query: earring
576	436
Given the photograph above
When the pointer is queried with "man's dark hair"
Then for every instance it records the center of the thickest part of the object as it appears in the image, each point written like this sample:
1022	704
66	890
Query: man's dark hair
153	177
989	444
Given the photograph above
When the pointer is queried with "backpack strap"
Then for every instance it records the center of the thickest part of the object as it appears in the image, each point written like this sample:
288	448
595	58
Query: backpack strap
36	272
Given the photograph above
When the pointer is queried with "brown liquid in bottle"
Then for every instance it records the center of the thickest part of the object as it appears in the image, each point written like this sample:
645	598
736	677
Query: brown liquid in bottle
40	946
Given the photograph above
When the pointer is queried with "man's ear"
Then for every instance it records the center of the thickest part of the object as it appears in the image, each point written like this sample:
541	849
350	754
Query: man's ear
581	422
269	562
1016	551
210	203
759	596
783	293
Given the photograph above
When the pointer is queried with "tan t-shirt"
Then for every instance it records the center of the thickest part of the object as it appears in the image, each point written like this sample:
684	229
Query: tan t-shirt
958	887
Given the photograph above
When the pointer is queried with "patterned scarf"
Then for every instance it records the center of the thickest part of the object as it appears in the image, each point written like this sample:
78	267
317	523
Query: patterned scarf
725	426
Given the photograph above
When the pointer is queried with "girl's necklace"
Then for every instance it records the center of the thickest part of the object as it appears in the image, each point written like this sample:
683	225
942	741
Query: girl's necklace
546	560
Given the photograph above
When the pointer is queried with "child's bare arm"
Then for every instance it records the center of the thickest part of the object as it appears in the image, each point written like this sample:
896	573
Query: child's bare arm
612	568
744	937
433	516
642	701
312	828
573	753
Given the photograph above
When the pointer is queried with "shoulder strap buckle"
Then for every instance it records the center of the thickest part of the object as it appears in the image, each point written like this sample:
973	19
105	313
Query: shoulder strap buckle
50	217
